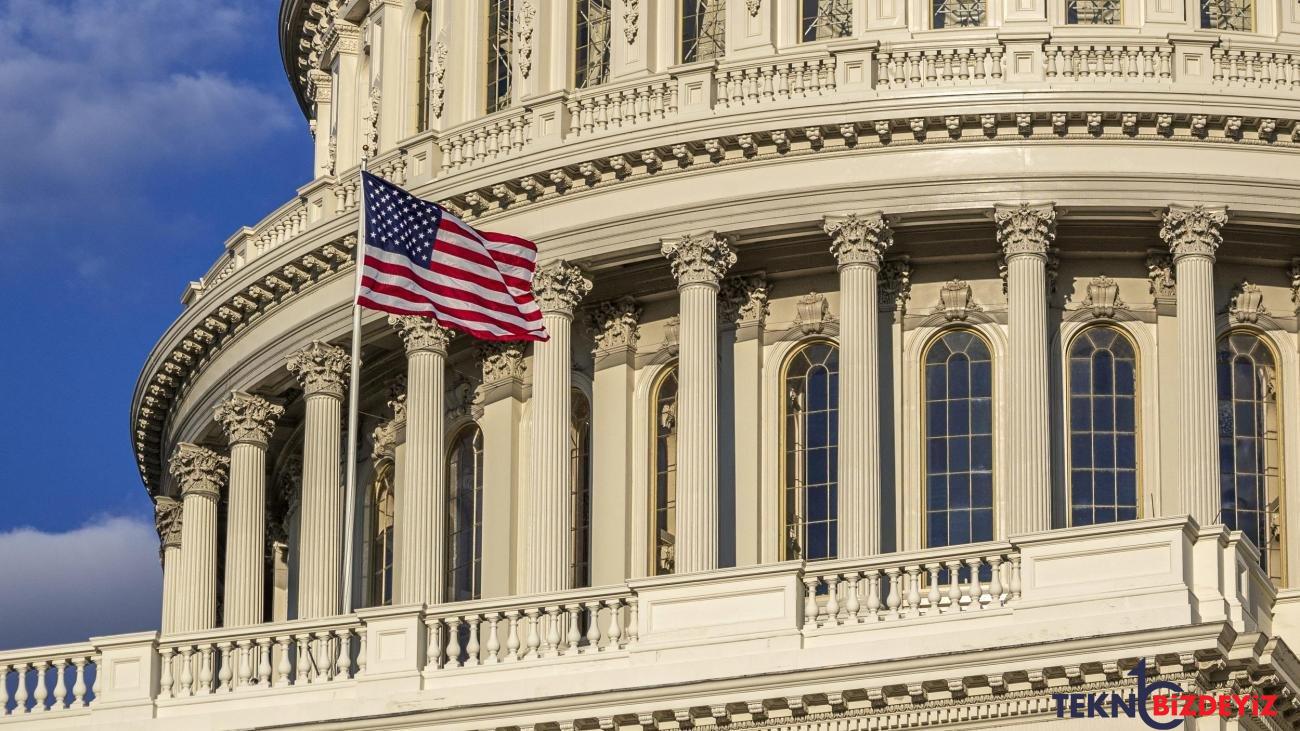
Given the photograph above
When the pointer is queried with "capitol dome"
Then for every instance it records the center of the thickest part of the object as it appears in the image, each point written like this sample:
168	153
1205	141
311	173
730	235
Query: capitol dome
911	362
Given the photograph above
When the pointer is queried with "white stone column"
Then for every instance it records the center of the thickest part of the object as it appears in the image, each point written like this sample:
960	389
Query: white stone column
200	473
1193	235
613	327
698	263
858	243
1025	232
321	369
420	531
559	286
167	519
248	421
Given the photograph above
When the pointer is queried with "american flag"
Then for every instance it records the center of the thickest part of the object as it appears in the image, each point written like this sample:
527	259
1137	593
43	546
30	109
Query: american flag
420	259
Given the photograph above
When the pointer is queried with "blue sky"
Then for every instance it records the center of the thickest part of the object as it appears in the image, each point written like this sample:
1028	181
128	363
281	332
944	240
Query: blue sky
135	137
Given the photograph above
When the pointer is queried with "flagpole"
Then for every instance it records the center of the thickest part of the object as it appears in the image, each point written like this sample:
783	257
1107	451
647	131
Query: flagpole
354	394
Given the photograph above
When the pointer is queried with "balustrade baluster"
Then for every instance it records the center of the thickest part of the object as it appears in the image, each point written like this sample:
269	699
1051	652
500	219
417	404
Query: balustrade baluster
60	700
932	570
974	589
615	622
954	587
453	642
187	672
853	606
633	617
245	655
995	581
362	651
1014	584
42	687
810	601
225	673
873	593
472	648
165	677
553	634
206	669
493	641
895	599
78	682
593	626
913	591
343	667
575	635
832	599
512	639
435	643
264	662
283	667
20	692
4	690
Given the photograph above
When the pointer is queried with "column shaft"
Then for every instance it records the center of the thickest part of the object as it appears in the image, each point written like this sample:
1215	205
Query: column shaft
697	431
245	535
859	407
197	609
549	520
321	539
1030	446
422	493
171	601
1198	434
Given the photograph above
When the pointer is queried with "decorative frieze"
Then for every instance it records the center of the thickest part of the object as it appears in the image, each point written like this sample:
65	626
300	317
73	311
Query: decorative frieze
701	258
614	324
1102	297
956	300
1193	230
813	313
198	470
858	239
743	299
320	368
421	334
247	418
559	286
1247	303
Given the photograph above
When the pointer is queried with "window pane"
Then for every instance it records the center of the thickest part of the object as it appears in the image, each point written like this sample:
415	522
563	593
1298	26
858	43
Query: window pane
1103	432
959	438
1092	12
664	509
703	29
824	19
1228	14
1250	471
464	515
810	453
958	13
500	33
591	59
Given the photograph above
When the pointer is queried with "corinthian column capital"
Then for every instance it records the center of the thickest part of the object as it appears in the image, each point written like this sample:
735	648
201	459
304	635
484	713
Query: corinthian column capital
247	418
199	470
698	258
559	287
167	519
320	368
858	239
613	324
1025	228
421	334
501	360
1193	230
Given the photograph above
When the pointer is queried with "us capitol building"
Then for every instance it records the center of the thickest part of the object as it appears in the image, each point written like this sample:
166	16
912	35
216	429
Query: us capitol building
911	362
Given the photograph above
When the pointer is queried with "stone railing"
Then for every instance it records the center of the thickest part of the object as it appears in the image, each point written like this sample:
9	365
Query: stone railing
924	67
1127	61
1018	596
47	680
503	631
941	582
1258	66
775	80
261	657
615	106
486	139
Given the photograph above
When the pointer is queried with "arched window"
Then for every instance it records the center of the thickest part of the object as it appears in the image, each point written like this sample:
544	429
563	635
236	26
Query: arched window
1228	15
1103	428
500	49
958	440
663	509
420	99
1250	464
811	384
821	20
591	36
704	29
380	567
465	516
580	488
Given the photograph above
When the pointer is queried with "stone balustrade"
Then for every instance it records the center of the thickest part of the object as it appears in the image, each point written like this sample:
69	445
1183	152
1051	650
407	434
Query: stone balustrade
1173	578
854	74
47	680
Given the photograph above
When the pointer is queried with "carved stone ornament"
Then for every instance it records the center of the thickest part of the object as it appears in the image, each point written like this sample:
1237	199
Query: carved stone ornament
198	470
858	239
397	398
631	20
559	287
753	6
1294	271
1247	303
895	285
1025	229
321	368
370	146
613	324
437	77
672	334
501	361
1160	274
527	17
1103	297
421	334
956	300
743	299
1193	230
813	311
463	398
167	519
383	442
699	258
247	418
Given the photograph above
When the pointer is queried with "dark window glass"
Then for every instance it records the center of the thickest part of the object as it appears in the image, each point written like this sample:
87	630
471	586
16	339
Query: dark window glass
959	440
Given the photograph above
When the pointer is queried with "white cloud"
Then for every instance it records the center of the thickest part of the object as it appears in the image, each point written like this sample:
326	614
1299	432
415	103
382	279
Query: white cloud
100	579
